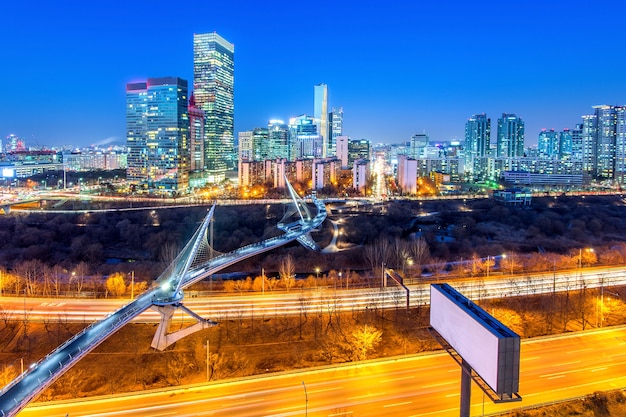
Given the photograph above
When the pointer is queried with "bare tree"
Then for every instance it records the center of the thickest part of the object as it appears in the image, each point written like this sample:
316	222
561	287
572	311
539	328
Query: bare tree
287	272
30	272
364	340
420	252
78	276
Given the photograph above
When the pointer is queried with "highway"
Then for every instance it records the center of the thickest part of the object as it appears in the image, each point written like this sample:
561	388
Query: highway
291	303
552	369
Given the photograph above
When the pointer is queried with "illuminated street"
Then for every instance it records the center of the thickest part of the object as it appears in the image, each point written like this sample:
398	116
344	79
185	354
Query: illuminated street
552	369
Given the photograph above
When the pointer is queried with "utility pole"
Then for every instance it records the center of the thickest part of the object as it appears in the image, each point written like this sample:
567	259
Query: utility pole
207	359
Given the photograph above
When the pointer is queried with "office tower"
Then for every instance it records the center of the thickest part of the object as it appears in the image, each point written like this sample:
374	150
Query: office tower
358	149
196	136
157	126
305	142
213	83
320	113
548	144
477	137
278	141
510	141
335	120
260	143
419	143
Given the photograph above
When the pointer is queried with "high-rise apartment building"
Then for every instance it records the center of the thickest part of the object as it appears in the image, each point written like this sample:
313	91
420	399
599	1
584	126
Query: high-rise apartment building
510	141
335	119
477	144
213	83
548	143
477	137
320	113
157	126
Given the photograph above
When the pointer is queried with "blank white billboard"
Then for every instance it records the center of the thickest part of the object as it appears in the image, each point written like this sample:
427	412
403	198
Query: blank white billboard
489	347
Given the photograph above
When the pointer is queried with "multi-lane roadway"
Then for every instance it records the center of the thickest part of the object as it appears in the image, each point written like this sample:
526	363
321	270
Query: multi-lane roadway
552	369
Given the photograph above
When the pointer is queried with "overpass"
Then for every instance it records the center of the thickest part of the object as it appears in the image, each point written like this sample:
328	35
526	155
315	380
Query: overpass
166	295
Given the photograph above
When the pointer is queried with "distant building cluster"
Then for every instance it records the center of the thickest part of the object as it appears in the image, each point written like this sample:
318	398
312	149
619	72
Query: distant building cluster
179	140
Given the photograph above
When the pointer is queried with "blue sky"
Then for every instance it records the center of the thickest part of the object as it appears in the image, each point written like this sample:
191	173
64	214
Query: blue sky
396	67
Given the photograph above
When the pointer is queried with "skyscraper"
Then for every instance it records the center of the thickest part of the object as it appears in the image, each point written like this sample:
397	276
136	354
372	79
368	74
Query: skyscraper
196	136
335	121
157	126
278	139
604	143
477	136
213	83
320	113
510	142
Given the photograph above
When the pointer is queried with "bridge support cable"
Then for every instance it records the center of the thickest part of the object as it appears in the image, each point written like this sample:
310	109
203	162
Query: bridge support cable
172	278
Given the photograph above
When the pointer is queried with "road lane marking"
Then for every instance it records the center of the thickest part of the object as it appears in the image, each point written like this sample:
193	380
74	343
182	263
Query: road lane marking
564	364
579	350
439	385
598	369
398	404
369	395
340	414
396	379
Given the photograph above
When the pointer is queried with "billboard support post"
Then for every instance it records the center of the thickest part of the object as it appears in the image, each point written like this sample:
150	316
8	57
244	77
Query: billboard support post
466	389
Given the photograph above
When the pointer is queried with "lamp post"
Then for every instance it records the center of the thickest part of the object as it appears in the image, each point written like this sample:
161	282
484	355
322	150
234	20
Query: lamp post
488	264
340	280
382	275
317	272
306	400
207	359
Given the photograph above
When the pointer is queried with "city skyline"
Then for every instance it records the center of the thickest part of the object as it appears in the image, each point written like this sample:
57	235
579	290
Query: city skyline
397	71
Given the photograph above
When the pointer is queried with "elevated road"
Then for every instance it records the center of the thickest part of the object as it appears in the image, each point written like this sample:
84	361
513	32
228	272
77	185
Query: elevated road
27	386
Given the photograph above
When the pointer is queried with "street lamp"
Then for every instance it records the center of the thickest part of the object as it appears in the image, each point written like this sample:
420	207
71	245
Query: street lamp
317	272
580	256
306	400
488	263
382	277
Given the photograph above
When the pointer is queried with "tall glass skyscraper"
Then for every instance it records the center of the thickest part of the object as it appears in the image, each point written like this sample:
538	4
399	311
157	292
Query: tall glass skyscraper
157	126
320	113
213	83
477	136
510	136
335	121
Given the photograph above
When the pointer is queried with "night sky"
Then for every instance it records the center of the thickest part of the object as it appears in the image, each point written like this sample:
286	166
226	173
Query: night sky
396	67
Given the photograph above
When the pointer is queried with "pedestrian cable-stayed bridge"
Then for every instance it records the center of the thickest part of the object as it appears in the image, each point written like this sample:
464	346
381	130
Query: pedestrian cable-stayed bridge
193	264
